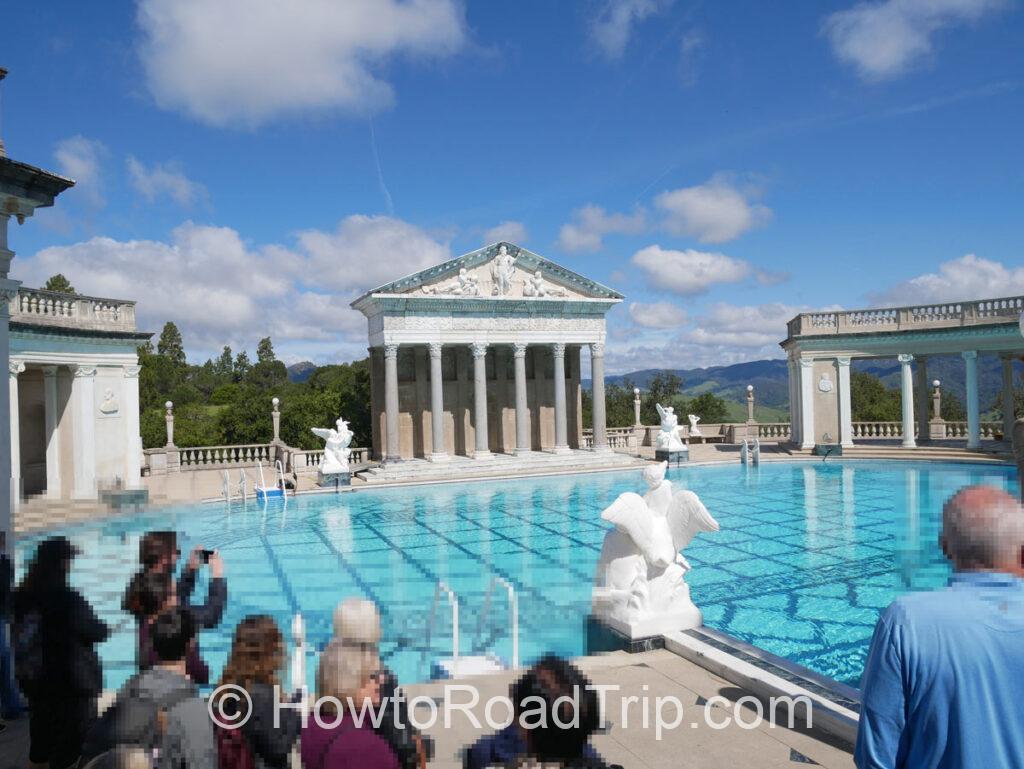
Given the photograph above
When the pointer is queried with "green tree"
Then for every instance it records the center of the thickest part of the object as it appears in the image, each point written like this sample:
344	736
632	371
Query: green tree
242	366
170	344
871	400
952	408
709	407
224	365
664	388
59	283
265	351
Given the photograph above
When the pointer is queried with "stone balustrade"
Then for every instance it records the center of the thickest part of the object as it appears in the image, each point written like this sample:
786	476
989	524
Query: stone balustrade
878	430
202	457
174	458
913	317
619	438
773	431
302	462
956	430
51	308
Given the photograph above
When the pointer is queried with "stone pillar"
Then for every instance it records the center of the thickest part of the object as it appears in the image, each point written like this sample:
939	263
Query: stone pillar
52	424
845	405
483	448
636	407
169	421
597	391
922	400
83	397
561	417
907	399
793	369
275	417
522	423
1008	415
8	293
806	368
937	401
973	417
133	434
437	449
750	404
15	367
393	452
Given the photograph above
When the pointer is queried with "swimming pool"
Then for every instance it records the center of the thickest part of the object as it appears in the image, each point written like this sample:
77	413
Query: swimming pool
807	556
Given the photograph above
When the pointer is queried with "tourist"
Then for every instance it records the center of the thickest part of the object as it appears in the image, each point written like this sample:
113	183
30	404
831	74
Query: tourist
11	705
546	742
55	635
943	681
157	592
333	740
357	625
255	663
159	711
158	552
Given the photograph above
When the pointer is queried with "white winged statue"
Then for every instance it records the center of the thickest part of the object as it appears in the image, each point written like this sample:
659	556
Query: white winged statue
336	450
640	587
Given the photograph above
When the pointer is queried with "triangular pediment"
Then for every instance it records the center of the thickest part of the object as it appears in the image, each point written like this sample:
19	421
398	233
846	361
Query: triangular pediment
500	270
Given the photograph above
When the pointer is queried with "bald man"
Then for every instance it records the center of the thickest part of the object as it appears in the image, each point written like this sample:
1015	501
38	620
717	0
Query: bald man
944	682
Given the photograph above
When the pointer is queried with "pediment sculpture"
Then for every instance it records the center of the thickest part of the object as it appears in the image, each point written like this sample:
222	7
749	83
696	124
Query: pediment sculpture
502	271
536	286
464	285
640	587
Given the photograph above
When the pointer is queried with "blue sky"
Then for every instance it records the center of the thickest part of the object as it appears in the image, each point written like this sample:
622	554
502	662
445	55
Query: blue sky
246	168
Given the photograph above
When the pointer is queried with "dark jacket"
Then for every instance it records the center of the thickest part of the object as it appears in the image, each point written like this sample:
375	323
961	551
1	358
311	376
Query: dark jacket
6	586
186	585
206	615
506	747
69	631
346	746
270	746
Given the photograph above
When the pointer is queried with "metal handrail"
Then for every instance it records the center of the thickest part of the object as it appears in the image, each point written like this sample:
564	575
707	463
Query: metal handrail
453	601
513	611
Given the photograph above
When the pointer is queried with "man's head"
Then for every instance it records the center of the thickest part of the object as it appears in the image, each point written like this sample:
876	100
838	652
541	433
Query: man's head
158	550
172	634
983	530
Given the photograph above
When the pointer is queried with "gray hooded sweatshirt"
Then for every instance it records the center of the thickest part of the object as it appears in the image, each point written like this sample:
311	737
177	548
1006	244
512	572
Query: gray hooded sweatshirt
188	742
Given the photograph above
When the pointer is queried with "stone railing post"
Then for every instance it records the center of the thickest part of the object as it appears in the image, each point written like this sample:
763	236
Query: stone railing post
275	415
750	404
169	419
636	407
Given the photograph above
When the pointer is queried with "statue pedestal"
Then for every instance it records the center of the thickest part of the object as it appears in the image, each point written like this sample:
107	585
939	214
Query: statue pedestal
333	480
602	637
672	456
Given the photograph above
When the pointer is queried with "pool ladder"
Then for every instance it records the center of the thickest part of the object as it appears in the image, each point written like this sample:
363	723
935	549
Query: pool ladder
243	486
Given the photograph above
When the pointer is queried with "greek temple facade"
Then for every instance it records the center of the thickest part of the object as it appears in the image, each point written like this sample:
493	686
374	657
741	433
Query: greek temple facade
821	345
482	355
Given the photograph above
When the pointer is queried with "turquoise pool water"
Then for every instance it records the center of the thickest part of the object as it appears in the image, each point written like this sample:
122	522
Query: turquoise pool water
807	556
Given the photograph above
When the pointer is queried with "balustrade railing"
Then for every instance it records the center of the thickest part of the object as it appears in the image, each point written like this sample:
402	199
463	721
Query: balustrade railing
619	438
309	461
879	430
246	455
52	308
987	430
952	315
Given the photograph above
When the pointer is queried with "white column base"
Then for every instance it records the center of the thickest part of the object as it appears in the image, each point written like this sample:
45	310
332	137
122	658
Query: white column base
523	452
602	449
439	457
482	455
561	450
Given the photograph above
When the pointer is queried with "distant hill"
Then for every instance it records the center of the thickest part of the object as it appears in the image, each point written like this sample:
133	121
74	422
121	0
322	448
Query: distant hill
300	372
770	378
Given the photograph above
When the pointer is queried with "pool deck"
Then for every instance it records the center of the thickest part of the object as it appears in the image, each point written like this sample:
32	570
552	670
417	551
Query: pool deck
693	744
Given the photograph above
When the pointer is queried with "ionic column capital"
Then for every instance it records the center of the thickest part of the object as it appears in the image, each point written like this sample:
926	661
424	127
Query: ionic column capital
843	361
597	350
49	372
16	367
807	362
391	350
131	372
905	359
84	371
435	349
558	348
479	349
519	350
969	354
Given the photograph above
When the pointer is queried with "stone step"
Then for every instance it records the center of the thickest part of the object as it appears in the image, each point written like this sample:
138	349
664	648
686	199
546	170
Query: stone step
463	467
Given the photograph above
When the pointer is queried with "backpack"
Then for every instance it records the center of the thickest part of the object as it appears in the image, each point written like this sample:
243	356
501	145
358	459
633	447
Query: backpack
27	643
233	751
131	720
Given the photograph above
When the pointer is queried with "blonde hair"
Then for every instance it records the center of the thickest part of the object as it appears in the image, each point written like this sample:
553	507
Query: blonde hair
357	622
344	669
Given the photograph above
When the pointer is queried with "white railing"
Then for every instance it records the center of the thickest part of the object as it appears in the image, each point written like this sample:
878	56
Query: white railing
988	430
928	316
52	308
309	461
773	431
219	456
619	438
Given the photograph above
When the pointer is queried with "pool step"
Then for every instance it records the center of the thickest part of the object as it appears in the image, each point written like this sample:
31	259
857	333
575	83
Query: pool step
38	513
922	453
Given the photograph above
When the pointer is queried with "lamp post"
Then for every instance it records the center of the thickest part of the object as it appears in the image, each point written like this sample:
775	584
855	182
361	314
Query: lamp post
936	401
750	403
276	416
636	406
169	418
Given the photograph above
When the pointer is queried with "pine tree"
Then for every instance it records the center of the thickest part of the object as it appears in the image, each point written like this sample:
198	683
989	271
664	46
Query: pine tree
242	366
59	283
224	365
265	351
171	345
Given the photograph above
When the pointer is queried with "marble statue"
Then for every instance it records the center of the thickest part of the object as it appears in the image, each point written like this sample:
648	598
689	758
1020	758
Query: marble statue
825	384
502	271
668	438
109	403
465	285
336	450
536	286
640	587
694	430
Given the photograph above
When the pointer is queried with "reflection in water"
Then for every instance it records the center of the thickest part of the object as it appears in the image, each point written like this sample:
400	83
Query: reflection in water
811	503
849	501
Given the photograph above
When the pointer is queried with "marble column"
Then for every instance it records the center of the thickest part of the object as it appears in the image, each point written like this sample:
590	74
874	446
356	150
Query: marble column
907	399
483	448
522	417
597	391
15	367
1008	415
393	451
561	418
438	453
845	405
923	396
83	397
51	420
8	293
973	417
132	433
794	401
806	368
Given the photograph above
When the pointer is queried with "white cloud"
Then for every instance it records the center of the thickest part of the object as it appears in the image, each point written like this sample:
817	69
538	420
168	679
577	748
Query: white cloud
221	290
164	179
80	159
884	39
591	223
613	25
719	210
508	231
657	315
746	326
248	61
688	272
957	280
